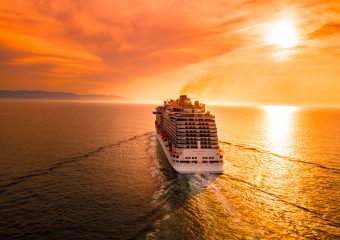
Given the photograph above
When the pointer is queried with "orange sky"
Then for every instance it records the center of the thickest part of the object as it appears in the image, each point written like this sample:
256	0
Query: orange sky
151	50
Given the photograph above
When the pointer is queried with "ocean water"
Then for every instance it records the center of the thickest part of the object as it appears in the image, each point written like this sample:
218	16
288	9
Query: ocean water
95	171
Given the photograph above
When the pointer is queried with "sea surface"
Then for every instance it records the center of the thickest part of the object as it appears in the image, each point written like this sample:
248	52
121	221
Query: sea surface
77	170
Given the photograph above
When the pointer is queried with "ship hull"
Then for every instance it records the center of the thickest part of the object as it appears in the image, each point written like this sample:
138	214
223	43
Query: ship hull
189	168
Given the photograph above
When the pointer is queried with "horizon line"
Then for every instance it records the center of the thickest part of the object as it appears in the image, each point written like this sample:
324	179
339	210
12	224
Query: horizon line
155	102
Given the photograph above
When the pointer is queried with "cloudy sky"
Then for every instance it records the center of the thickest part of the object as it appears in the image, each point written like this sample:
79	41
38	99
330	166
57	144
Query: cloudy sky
259	52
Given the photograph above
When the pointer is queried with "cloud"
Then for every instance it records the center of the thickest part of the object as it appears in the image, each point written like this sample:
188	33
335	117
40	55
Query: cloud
124	41
325	30
307	80
215	49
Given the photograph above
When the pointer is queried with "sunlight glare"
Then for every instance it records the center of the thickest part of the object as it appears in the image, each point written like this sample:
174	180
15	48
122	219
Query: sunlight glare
282	34
278	125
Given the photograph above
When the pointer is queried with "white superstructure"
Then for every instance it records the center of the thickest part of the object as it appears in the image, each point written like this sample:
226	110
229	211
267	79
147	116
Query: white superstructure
188	136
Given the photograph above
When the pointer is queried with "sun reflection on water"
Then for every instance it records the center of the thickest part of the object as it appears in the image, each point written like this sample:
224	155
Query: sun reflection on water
279	127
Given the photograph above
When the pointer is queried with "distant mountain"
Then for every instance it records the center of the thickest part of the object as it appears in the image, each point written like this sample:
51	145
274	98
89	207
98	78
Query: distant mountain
28	94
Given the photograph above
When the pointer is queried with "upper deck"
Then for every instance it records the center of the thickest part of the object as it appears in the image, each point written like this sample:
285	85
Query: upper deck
183	108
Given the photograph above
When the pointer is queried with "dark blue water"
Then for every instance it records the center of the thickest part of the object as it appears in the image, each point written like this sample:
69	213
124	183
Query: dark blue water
95	171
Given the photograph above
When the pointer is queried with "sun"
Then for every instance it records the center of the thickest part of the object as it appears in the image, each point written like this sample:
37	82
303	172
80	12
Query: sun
282	34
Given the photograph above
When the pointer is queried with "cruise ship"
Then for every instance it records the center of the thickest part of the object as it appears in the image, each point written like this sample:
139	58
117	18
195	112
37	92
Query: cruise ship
188	136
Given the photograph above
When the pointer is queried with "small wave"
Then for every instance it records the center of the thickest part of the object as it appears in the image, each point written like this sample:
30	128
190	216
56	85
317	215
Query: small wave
223	142
230	210
291	159
61	163
23	200
279	198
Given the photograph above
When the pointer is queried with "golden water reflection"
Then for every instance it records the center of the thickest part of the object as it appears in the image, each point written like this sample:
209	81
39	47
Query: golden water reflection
278	127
